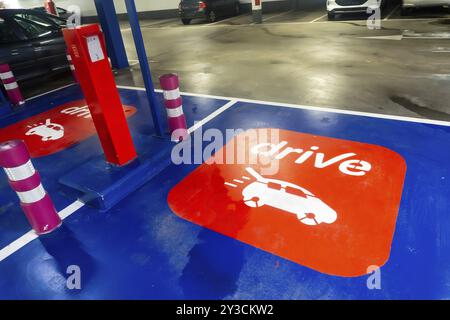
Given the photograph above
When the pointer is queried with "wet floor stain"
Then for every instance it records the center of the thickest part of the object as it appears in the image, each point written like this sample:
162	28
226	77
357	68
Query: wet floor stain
421	110
441	22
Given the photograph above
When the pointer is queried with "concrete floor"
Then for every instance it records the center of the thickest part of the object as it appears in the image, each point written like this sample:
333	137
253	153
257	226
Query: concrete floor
300	57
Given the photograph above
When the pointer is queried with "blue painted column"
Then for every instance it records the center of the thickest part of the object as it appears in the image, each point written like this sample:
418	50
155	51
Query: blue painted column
111	29
159	120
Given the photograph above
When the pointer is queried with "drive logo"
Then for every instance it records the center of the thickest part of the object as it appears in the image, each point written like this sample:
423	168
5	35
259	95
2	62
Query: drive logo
55	130
331	206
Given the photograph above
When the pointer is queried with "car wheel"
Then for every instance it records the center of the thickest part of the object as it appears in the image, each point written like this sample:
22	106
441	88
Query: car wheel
237	9
186	21
212	16
331	16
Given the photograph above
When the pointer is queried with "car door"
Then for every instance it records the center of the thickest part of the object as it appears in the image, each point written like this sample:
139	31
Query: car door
47	41
16	50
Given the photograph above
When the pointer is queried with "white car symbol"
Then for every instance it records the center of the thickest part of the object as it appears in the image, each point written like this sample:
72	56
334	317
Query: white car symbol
289	197
48	131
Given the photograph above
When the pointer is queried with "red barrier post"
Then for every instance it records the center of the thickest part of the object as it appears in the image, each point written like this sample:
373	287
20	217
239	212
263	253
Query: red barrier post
26	182
174	107
88	51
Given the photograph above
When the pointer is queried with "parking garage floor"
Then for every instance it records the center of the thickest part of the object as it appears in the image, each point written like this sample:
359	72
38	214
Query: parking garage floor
382	94
299	57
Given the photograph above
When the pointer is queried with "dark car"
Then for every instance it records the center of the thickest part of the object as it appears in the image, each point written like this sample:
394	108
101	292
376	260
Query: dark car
31	43
207	9
62	13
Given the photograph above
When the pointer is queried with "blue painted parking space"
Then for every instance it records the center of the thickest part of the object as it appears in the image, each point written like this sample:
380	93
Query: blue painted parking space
146	248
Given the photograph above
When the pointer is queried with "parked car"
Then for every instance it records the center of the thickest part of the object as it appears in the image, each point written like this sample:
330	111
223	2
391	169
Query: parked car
31	43
207	9
408	6
62	13
346	6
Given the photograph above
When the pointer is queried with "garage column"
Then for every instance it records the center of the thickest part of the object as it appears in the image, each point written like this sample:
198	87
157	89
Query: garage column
111	29
257	11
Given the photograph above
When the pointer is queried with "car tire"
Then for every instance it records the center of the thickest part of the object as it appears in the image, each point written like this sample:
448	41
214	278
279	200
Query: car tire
331	16
212	17
186	21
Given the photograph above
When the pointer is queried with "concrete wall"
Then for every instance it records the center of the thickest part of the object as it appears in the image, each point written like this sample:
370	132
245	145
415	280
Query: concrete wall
158	7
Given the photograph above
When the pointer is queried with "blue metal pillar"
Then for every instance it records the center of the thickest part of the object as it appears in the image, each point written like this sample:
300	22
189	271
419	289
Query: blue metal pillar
111	29
159	120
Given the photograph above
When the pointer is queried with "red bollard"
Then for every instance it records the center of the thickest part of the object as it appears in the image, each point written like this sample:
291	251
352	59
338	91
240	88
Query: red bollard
10	84
72	67
174	107
87	48
50	7
26	182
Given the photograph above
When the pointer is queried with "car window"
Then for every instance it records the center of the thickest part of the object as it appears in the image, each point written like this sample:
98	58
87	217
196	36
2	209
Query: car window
7	33
36	18
32	28
57	20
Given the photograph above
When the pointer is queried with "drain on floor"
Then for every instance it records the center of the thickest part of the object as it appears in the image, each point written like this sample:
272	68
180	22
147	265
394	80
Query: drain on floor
420	109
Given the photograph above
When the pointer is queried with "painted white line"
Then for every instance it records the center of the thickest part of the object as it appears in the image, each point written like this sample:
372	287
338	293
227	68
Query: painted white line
17	244
245	178
391	13
443	51
51	91
295	106
230	184
143	24
223	20
317	19
212	116
133	62
154	23
31	235
238	181
277	15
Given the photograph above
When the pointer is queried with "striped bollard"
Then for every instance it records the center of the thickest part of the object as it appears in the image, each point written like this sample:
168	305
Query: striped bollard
50	7
26	182
10	84
174	107
72	67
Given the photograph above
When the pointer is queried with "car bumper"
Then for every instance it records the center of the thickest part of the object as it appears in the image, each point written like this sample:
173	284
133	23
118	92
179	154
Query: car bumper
333	7
193	14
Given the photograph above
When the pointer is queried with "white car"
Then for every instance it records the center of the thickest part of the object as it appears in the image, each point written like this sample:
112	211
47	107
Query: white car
346	6
308	208
409	5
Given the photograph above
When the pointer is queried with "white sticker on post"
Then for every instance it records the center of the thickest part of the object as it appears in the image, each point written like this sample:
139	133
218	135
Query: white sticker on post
95	48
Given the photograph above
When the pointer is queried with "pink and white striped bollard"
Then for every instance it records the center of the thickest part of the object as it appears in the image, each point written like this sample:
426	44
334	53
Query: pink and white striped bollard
10	84
26	182
174	106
